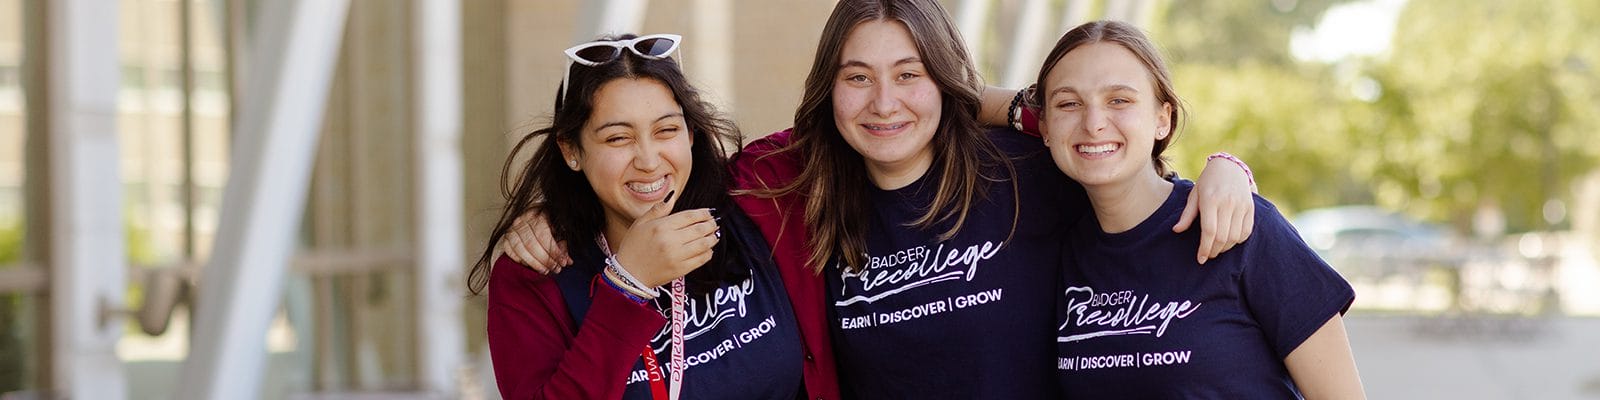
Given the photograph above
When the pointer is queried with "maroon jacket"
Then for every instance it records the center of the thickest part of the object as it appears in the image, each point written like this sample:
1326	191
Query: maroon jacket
782	222
535	354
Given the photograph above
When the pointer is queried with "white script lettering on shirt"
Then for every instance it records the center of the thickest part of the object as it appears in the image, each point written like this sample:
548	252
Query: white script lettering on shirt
915	267
704	313
1119	313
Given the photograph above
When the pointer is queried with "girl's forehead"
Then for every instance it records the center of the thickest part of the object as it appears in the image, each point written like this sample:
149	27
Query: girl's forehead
633	103
1100	65
878	39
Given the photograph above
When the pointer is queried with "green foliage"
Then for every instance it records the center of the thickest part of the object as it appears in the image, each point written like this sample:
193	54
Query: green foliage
1231	32
10	243
1499	112
13	356
1281	120
1496	113
141	248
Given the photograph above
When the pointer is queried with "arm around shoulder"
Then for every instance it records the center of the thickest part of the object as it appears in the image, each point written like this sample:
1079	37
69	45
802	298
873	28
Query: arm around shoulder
537	352
759	165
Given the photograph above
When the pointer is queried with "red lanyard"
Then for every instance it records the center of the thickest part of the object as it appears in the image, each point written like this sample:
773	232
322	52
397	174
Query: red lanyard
653	369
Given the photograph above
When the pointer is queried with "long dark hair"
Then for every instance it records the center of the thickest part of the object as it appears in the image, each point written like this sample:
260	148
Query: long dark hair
565	198
835	185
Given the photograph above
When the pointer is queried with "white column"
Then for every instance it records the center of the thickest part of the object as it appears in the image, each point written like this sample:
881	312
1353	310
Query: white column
88	267
1136	12
1119	10
1139	12
711	45
441	347
1074	13
971	16
1023	66
608	17
275	139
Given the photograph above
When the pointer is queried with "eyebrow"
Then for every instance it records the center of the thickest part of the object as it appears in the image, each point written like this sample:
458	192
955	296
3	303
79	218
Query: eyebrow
630	125
862	64
1112	88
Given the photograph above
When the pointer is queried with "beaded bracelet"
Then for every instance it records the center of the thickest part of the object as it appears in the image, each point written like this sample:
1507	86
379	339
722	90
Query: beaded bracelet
1012	112
627	281
1021	116
626	287
607	277
1247	174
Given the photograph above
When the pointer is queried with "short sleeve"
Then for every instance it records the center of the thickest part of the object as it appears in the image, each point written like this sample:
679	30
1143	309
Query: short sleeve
1290	291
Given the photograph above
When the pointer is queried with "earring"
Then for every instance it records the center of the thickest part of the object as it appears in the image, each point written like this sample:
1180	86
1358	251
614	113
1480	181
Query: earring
572	164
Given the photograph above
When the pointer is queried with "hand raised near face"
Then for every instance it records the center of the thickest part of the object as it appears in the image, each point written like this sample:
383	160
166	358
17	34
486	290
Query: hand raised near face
660	247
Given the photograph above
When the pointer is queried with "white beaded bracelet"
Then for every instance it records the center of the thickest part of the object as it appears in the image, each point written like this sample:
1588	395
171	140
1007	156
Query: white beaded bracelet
629	279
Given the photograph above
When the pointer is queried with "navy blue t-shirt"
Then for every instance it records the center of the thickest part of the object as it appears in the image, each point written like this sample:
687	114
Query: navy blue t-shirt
740	340
965	318
1139	318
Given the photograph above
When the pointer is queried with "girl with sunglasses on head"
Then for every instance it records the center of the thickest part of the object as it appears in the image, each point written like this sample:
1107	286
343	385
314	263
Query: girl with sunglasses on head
672	292
916	247
1138	317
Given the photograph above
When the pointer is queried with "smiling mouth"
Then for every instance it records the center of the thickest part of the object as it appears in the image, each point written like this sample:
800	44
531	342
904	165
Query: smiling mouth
885	127
648	187
1098	149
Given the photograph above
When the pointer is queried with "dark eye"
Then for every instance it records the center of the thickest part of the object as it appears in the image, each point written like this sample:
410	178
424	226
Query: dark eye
906	76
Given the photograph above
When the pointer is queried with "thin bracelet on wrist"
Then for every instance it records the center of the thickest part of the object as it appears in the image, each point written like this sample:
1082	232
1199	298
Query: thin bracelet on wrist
628	279
611	282
627	289
1248	175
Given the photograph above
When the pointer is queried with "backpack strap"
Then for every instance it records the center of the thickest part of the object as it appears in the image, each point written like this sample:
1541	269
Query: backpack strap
577	281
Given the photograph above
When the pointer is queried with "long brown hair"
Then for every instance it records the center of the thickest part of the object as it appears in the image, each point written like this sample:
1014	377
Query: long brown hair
1131	38
834	182
568	202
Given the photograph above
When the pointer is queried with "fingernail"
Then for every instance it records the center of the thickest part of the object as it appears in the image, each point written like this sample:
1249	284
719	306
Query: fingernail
669	197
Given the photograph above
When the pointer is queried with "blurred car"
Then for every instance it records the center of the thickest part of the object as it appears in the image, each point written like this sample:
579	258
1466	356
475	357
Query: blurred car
1376	243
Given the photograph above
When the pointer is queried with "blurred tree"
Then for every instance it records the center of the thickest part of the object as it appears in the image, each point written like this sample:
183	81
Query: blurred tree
1247	95
1285	122
13	358
10	243
1456	117
1235	32
1497	114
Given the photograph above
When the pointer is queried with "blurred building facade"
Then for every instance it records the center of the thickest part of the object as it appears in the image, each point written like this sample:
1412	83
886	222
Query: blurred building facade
350	317
347	318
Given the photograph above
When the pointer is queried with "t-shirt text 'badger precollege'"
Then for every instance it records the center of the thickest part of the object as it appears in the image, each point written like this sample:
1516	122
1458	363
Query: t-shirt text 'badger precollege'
968	317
